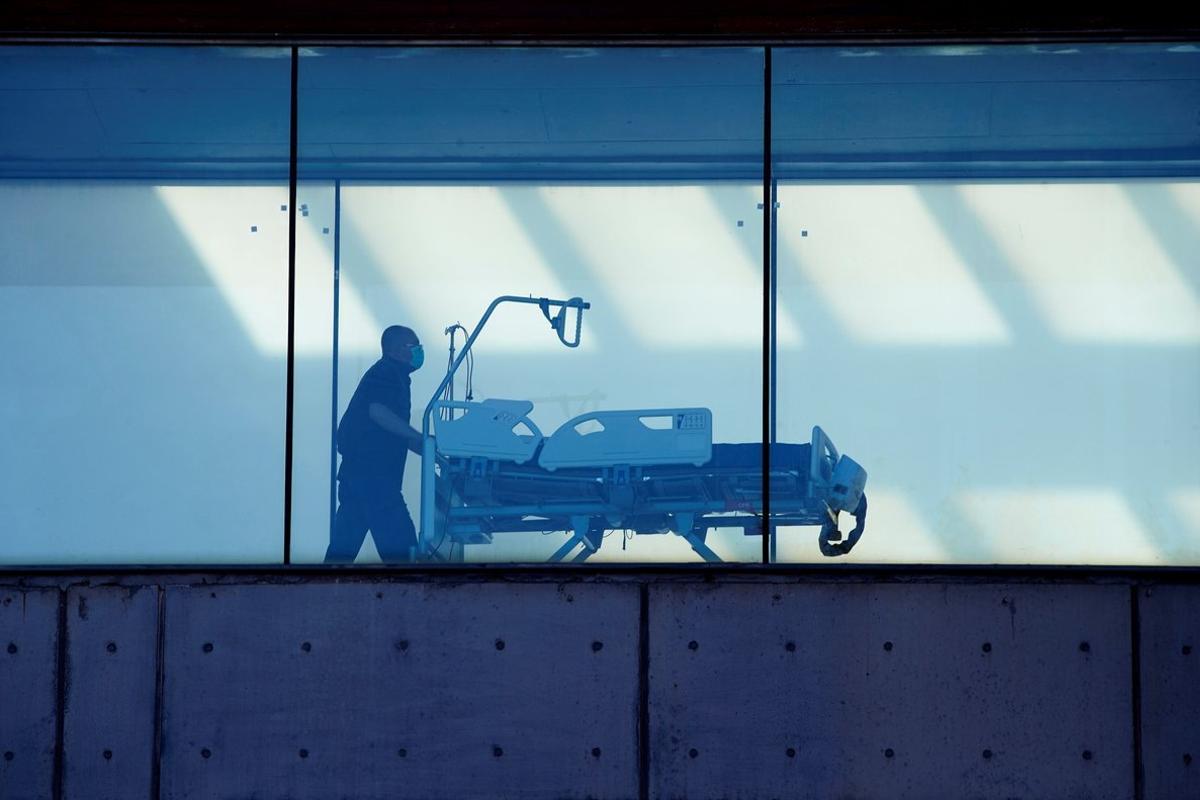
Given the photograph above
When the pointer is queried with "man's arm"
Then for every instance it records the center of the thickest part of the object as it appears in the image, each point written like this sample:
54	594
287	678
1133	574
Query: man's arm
385	418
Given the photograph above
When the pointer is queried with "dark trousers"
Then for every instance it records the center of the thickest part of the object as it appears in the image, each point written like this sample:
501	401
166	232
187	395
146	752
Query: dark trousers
373	504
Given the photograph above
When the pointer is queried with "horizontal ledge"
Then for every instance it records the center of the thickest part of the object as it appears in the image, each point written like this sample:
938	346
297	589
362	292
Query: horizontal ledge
635	572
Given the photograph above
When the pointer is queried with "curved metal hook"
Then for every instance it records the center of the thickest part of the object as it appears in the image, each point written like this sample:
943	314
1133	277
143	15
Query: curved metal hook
827	541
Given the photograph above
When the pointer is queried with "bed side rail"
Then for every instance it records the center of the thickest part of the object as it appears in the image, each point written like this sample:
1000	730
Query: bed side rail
639	437
497	429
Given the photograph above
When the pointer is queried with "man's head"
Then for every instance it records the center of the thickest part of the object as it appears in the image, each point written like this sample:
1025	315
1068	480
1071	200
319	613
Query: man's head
401	344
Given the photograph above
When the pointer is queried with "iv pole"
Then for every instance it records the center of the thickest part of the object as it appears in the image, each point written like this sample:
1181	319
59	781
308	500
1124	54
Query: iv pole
558	323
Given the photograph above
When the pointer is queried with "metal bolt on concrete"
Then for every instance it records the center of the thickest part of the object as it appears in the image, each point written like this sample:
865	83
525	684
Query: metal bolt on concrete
259	698
29	623
110	701
1170	683
851	701
1040	700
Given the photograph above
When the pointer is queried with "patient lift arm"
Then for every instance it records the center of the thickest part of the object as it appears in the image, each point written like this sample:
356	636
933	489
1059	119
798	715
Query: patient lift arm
558	322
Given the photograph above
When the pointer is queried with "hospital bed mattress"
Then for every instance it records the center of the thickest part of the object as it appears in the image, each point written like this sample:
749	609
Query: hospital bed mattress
749	456
731	477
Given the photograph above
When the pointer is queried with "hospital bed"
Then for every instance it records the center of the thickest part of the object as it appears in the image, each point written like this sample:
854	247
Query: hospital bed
645	471
488	471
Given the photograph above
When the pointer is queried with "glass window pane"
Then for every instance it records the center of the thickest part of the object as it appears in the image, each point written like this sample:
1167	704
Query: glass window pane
449	177
995	263
143	303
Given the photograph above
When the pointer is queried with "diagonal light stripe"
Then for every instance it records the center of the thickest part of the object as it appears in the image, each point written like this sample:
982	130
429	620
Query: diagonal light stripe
1089	261
672	261
1187	503
877	258
1059	526
443	253
250	266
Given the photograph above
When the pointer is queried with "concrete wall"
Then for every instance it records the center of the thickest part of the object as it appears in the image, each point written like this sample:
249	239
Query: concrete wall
621	686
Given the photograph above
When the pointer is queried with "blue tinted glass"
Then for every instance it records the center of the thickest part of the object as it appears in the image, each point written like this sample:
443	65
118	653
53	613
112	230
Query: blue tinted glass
143	303
440	179
970	110
580	115
993	253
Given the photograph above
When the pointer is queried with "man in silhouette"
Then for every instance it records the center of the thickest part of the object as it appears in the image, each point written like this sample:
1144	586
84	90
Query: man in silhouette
374	439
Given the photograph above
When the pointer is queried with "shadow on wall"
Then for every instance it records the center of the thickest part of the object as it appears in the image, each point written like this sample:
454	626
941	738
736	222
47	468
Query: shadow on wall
146	425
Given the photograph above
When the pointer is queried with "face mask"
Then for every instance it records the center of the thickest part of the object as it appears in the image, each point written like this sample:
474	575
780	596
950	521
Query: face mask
418	356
